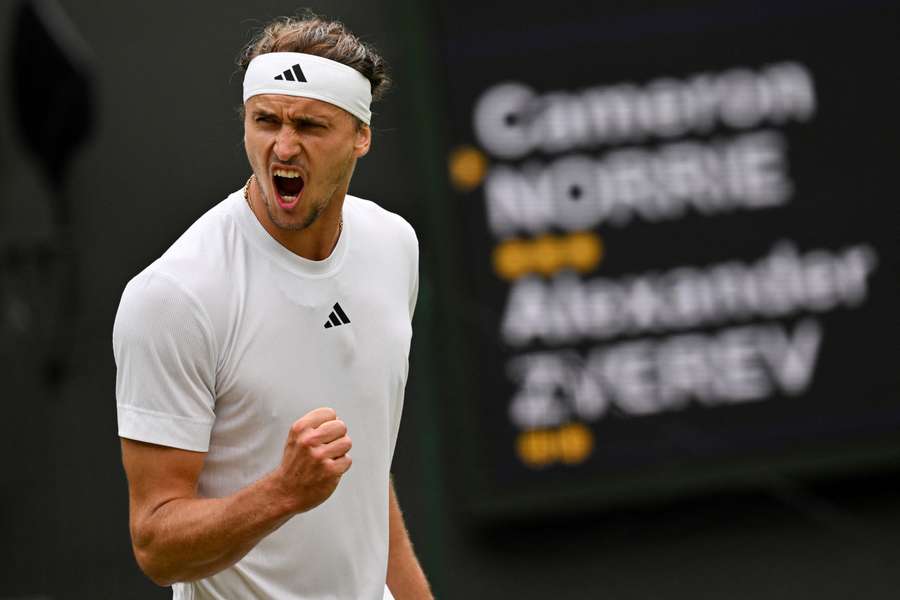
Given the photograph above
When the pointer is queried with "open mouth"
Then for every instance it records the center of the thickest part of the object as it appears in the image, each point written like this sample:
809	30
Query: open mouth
288	187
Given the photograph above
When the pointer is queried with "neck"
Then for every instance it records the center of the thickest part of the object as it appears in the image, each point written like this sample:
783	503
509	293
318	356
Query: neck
315	242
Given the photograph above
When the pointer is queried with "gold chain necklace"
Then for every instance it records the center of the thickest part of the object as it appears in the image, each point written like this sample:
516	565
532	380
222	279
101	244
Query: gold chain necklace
247	191
247	198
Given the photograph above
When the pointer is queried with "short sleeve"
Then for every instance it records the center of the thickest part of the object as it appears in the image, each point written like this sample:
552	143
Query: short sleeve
165	365
414	275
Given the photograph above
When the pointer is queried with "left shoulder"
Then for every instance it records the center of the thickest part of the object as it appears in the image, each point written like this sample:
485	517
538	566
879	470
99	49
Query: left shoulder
373	220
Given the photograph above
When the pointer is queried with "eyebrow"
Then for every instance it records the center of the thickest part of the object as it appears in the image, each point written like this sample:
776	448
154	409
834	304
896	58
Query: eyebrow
299	120
260	112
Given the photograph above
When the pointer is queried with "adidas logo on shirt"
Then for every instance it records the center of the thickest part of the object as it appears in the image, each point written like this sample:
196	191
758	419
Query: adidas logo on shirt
295	73
337	317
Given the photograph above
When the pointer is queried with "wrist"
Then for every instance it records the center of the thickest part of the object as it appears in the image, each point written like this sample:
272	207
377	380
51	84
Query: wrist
279	497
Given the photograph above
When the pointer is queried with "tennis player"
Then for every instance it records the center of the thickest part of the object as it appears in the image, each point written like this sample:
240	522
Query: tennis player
272	331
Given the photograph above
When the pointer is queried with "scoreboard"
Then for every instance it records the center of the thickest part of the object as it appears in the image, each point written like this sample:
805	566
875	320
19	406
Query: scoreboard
677	243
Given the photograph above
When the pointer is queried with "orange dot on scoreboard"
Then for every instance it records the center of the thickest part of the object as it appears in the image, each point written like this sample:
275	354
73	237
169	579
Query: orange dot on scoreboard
512	259
536	448
584	251
468	166
547	254
575	442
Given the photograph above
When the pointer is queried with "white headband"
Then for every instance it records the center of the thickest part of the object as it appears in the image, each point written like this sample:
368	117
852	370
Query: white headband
310	76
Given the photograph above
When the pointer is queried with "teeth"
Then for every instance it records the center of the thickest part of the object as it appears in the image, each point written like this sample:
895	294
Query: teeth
288	174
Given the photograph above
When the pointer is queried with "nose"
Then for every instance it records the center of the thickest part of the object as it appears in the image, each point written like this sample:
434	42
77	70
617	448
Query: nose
287	144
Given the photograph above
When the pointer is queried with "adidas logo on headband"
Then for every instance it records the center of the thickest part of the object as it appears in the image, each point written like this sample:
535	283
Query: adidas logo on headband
290	73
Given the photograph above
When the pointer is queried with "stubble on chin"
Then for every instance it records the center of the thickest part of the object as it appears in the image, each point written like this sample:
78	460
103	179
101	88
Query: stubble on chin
311	218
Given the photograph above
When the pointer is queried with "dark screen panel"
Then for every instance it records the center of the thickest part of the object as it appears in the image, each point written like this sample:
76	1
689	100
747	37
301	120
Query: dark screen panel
678	237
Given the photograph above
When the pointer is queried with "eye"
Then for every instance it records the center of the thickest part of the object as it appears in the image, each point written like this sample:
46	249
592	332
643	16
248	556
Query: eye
304	124
265	119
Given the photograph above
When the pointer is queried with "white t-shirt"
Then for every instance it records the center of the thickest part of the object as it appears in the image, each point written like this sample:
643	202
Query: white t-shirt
228	338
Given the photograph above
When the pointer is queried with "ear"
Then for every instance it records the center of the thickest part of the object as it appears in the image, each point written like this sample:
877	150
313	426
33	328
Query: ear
362	141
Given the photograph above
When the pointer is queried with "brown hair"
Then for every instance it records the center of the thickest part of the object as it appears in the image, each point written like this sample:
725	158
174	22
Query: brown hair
312	34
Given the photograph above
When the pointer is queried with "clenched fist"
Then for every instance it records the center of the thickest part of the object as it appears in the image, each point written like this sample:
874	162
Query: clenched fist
315	457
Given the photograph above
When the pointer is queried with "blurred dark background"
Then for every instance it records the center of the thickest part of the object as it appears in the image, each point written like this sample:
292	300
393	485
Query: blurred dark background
155	140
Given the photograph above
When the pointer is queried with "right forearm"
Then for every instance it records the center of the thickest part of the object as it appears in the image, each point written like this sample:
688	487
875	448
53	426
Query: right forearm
180	537
190	538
